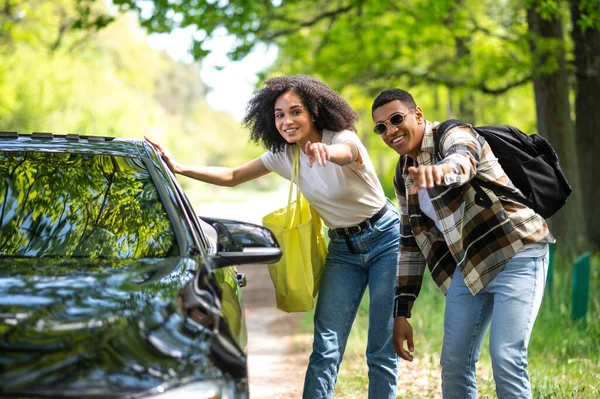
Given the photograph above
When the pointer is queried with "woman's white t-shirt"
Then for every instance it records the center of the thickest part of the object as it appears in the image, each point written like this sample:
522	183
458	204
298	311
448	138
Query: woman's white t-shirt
343	195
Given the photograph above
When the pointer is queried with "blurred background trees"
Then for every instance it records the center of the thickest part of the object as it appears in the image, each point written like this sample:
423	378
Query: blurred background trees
81	66
100	77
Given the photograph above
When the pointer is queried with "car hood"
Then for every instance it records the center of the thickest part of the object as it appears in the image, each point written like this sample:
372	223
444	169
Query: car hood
98	328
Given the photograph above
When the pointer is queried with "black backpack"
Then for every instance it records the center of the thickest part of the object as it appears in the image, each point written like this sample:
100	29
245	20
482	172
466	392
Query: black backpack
529	161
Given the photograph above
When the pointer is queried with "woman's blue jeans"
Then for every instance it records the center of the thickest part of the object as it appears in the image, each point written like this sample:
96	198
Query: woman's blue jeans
343	283
508	306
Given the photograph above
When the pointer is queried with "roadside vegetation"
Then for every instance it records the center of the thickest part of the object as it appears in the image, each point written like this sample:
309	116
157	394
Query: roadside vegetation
61	77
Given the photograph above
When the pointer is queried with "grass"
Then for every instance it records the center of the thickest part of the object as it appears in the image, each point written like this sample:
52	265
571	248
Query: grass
564	355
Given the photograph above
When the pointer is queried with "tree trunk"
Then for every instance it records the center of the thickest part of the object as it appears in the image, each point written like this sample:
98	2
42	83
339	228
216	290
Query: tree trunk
554	122
587	122
466	99
450	107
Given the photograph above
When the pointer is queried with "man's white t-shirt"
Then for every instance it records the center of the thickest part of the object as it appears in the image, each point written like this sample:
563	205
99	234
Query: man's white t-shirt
342	195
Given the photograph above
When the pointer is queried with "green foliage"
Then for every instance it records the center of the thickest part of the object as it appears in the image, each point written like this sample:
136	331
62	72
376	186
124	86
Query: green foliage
465	59
475	53
548	9
590	14
63	75
480	50
479	45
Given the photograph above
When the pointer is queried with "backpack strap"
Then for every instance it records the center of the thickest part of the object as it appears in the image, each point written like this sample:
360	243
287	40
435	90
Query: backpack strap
442	129
398	179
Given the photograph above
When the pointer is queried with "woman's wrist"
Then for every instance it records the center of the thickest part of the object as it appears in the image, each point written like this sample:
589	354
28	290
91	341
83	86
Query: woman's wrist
179	169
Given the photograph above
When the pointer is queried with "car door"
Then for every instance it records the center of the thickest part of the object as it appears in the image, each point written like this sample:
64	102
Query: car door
227	277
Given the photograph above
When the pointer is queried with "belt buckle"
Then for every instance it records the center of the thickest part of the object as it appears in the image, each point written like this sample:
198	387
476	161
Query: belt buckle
350	230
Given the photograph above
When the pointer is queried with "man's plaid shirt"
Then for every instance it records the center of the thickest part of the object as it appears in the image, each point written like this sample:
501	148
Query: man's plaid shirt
479	240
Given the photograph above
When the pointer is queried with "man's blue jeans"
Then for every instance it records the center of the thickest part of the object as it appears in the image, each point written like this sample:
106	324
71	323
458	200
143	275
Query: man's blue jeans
508	305
343	284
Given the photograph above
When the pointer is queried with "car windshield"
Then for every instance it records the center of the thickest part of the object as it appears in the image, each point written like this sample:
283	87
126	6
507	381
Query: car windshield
80	206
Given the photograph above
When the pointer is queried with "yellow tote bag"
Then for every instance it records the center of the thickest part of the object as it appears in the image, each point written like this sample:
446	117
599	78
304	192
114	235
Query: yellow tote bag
299	231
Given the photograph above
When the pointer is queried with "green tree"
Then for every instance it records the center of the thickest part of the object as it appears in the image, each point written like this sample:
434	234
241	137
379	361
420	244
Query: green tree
551	88
585	32
62	74
454	53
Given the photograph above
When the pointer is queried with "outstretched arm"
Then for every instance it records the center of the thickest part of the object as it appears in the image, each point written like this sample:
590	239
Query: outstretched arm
461	151
340	154
427	176
219	176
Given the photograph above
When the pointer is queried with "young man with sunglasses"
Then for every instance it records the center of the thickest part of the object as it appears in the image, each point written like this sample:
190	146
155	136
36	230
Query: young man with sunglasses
489	259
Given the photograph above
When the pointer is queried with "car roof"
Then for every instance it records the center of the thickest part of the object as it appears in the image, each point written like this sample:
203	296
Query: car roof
73	143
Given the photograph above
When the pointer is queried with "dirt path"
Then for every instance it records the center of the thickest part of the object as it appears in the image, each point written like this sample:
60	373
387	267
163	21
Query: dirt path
276	367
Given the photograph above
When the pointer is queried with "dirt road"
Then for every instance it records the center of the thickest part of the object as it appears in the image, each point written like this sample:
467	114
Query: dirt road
276	363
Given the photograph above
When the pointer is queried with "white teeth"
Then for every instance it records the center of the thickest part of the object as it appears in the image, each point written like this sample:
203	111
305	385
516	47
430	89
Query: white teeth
397	139
290	130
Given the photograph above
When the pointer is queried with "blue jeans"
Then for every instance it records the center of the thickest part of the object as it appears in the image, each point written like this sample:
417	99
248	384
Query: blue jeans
508	305
343	283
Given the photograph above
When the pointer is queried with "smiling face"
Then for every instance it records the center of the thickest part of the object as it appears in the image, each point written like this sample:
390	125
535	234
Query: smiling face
293	121
406	138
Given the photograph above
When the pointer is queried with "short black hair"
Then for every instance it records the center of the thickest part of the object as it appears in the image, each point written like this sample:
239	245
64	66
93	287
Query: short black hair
390	95
328	109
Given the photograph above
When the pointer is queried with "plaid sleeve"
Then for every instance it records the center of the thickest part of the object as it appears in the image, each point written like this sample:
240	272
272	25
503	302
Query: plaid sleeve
411	264
460	149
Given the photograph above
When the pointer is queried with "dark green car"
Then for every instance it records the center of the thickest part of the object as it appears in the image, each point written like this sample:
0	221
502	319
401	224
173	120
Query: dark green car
110	285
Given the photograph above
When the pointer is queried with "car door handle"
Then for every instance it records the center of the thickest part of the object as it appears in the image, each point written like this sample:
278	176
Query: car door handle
241	279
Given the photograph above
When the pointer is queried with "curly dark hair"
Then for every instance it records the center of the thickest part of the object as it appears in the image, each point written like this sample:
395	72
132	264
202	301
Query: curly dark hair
389	95
329	110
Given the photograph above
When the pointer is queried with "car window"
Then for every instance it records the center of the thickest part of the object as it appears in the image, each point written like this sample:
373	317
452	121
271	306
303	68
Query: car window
205	240
80	205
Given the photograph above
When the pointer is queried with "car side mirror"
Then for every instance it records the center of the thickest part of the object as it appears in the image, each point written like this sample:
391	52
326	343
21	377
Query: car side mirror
240	243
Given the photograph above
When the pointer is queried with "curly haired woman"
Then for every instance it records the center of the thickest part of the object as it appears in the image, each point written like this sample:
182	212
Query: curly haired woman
338	179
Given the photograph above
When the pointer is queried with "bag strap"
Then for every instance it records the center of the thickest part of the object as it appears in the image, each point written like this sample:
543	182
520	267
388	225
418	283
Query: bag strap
293	215
442	129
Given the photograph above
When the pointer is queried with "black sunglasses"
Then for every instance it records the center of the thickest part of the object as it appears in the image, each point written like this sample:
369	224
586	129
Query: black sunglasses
395	119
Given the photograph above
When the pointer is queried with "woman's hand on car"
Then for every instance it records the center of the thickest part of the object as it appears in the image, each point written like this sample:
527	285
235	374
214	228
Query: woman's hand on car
165	155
